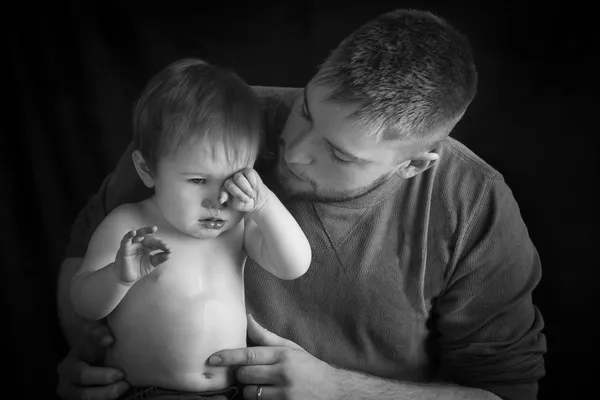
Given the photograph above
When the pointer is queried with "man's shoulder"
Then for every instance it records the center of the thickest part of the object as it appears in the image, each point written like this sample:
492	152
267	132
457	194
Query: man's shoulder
462	183
461	174
460	161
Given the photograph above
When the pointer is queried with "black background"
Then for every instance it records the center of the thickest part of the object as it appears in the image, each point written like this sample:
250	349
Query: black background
75	70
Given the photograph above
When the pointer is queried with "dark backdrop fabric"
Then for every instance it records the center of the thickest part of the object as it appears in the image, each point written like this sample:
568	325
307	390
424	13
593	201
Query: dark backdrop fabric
75	70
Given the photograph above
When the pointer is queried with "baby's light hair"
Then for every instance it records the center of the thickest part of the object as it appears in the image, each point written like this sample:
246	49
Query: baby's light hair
192	99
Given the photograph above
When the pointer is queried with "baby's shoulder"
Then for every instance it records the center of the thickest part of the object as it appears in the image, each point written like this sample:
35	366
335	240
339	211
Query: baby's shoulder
127	210
129	215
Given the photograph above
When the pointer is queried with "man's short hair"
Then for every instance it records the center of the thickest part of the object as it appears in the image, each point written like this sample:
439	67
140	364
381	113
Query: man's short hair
192	99
409	73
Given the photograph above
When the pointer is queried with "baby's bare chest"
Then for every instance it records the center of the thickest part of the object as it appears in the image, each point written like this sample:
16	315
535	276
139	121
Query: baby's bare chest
201	265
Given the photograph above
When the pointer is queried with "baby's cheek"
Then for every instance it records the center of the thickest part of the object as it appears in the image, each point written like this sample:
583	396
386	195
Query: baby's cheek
235	217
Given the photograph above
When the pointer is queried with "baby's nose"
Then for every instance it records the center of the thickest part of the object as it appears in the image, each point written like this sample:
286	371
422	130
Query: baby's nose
213	203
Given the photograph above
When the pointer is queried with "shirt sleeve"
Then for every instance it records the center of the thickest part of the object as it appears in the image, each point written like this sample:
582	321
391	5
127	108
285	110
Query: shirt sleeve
489	331
122	186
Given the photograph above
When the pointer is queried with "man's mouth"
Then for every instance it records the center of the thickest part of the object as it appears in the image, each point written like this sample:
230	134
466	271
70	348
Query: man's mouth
290	172
211	223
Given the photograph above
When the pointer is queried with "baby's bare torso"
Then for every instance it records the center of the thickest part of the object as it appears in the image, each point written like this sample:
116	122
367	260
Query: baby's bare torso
173	319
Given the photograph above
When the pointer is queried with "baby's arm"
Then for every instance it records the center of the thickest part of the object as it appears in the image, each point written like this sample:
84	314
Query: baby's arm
103	279
272	236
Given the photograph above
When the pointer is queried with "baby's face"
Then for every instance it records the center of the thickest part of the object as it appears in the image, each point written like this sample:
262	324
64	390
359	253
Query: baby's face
187	187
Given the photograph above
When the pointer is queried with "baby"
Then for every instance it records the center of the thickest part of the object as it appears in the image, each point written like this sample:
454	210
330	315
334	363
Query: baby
172	301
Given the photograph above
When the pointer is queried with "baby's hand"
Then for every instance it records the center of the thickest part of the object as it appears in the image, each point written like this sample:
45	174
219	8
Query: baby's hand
140	253
247	190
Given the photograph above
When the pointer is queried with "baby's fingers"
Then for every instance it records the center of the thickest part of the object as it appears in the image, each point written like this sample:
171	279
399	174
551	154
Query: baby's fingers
155	243
242	181
253	178
235	191
142	232
159	258
223	196
128	236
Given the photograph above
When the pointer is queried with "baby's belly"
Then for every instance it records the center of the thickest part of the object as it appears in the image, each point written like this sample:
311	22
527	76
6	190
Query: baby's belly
165	330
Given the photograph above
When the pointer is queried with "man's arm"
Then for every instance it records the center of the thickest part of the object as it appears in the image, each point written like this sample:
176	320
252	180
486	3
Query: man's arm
282	367
122	186
86	222
488	331
355	386
70	322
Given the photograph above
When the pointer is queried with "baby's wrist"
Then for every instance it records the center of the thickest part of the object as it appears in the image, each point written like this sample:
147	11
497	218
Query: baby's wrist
263	206
120	275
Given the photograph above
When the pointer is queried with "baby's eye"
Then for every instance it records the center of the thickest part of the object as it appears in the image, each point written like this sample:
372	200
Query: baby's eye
197	181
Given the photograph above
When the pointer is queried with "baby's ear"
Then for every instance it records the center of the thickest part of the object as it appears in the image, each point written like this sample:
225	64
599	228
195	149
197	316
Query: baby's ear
419	163
142	168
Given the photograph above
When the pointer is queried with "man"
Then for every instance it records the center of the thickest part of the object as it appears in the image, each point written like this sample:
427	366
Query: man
422	273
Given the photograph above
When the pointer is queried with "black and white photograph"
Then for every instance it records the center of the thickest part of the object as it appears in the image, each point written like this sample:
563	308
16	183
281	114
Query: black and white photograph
303	200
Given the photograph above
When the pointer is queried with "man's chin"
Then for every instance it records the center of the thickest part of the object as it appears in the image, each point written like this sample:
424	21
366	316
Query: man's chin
299	190
304	191
296	189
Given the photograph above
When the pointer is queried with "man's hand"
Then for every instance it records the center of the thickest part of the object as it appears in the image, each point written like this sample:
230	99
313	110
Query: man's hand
247	190
284	369
79	379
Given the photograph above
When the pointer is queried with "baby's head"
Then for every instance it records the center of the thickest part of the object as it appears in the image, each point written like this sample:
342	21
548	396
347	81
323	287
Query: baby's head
194	126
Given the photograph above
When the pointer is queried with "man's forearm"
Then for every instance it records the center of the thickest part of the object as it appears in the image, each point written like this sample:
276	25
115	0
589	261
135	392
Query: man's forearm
357	386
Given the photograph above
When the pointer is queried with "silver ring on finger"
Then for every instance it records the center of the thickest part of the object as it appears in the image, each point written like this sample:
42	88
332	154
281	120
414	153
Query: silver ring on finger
259	392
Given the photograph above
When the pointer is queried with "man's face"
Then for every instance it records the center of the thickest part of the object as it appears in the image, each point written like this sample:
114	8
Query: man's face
325	156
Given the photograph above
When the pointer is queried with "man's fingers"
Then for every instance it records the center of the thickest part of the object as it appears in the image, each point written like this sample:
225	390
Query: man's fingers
108	392
267	392
81	373
91	346
97	330
246	356
256	374
87	375
263	337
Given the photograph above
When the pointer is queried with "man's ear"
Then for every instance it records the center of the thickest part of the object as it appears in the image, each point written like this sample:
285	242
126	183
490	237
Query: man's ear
419	163
141	166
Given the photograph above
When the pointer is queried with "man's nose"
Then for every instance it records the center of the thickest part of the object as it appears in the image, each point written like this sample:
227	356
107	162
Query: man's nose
296	150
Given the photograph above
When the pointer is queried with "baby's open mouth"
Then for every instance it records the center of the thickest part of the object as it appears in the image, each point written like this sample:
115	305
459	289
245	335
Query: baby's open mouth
212	223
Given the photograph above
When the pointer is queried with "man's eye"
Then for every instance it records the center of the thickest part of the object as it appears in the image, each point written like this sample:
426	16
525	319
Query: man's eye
334	157
197	181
